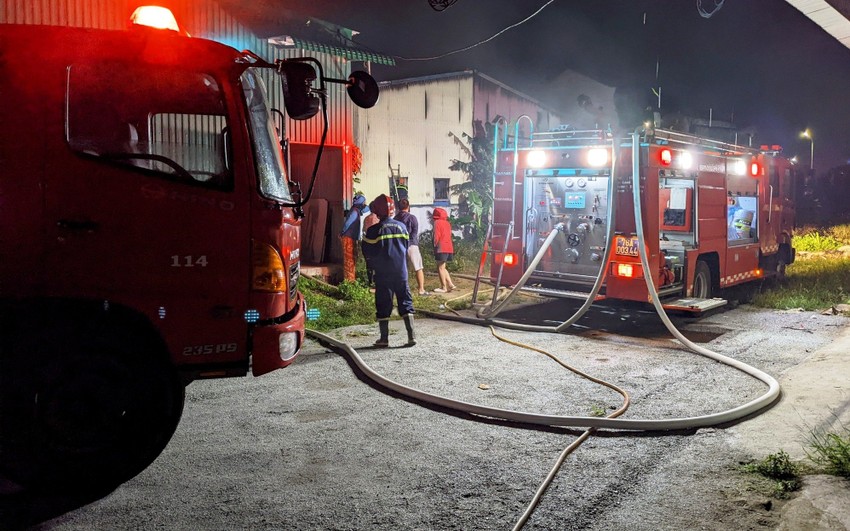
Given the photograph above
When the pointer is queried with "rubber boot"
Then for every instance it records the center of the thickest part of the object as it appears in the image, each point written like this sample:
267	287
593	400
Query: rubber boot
408	323
384	340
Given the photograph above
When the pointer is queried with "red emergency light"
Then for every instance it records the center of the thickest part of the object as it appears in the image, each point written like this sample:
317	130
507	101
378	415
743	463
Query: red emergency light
510	259
755	169
665	156
154	17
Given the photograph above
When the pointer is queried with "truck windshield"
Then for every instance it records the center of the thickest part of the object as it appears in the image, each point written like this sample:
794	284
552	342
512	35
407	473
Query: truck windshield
267	153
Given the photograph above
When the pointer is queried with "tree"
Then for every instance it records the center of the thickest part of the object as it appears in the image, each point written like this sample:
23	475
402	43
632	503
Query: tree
476	194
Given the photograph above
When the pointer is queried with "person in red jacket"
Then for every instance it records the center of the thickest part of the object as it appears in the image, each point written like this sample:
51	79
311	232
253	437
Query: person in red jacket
443	249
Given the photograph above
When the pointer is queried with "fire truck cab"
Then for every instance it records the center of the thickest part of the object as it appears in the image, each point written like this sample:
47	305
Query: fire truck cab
148	237
714	215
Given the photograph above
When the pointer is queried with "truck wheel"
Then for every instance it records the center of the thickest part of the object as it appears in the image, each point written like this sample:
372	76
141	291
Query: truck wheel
783	258
93	405
702	281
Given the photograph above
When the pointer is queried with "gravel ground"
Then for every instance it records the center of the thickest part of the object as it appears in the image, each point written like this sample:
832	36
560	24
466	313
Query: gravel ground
313	447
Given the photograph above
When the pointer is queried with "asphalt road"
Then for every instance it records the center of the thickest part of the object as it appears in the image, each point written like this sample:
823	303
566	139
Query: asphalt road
314	447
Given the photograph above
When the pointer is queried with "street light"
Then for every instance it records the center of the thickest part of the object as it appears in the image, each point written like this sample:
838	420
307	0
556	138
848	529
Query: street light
808	135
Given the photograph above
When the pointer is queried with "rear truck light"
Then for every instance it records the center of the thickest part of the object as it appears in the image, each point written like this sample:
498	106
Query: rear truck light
268	273
626	270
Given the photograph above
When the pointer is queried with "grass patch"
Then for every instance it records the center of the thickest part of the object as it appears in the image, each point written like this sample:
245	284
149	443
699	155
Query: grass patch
811	284
783	474
817	242
840	232
348	304
831	451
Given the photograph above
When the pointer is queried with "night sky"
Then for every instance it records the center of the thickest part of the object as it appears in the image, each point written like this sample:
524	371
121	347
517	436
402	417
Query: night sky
760	63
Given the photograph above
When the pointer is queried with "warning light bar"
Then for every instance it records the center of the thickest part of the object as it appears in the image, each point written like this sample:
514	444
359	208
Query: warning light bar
154	17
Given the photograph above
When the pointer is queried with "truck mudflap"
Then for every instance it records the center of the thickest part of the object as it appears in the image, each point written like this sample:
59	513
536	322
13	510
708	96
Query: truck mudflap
274	343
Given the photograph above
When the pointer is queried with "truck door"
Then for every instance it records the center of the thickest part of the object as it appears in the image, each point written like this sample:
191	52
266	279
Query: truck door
769	196
143	208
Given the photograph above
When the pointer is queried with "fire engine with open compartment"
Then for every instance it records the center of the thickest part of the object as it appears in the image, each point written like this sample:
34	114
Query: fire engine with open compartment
714	214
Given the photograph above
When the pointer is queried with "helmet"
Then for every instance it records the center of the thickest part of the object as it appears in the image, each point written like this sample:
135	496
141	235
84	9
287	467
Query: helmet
383	206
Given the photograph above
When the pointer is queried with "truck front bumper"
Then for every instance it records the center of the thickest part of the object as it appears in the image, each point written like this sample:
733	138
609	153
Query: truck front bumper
275	342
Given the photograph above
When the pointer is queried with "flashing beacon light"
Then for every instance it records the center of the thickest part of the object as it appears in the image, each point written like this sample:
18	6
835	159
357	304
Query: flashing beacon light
597	157
536	158
154	17
665	156
686	160
755	169
510	259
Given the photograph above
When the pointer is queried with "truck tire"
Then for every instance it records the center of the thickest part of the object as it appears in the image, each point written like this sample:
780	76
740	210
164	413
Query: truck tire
92	403
702	281
783	258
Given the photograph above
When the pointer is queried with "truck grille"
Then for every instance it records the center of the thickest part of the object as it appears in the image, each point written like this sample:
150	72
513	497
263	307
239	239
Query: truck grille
294	273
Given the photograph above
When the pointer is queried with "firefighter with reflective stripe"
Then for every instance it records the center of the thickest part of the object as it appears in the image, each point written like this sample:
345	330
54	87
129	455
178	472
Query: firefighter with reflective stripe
385	245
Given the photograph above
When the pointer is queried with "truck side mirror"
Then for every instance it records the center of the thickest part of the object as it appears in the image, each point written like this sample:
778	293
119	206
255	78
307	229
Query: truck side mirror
362	89
298	97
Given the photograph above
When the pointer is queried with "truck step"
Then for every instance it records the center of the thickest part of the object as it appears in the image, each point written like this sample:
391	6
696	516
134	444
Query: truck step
560	293
694	305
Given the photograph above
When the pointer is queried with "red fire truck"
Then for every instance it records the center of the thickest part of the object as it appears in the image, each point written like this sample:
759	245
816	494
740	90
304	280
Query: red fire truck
148	238
714	215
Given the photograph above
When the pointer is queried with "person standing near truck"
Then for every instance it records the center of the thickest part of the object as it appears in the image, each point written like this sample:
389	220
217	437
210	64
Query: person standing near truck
385	247
443	249
351	233
413	254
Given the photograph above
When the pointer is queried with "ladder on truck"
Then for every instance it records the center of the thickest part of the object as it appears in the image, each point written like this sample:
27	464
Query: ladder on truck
487	253
491	250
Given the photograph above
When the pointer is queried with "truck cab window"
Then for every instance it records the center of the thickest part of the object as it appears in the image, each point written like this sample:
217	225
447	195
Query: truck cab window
169	123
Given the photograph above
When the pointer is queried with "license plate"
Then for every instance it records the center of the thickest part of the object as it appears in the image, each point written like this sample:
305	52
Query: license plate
627	246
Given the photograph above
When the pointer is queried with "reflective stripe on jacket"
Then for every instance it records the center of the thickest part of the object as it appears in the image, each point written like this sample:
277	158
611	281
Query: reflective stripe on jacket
385	246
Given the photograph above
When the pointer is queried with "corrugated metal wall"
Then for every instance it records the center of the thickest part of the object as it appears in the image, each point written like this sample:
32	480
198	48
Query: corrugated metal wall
206	19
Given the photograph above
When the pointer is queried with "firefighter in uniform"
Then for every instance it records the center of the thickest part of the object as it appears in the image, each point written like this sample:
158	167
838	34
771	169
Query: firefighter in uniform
385	244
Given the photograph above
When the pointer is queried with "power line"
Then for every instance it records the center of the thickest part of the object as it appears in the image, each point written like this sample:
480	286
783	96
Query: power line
479	43
441	5
704	13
